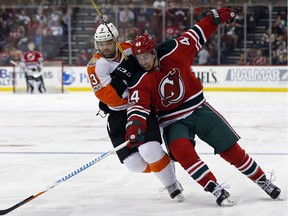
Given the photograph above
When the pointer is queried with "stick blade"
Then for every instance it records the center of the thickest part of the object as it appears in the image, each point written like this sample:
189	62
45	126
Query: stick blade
6	211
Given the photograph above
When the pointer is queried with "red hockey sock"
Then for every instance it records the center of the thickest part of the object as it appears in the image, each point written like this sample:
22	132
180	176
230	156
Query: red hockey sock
237	157
184	152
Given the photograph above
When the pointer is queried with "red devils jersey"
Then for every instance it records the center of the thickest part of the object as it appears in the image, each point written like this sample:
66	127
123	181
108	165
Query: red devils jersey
172	88
32	59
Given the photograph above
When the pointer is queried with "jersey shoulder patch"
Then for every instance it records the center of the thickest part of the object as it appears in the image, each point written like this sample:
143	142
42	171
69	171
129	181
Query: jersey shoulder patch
92	61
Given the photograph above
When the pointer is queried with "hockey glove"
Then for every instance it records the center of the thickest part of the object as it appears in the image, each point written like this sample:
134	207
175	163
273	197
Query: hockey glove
127	68
222	15
120	86
135	133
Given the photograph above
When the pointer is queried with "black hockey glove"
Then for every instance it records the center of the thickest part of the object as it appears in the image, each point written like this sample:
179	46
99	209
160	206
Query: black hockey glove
127	68
104	107
120	86
222	15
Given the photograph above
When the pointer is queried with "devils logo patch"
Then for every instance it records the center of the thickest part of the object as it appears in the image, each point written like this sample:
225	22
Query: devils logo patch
171	88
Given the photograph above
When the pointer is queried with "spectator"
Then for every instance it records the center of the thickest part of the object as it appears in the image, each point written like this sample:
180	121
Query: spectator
156	21
126	16
263	44
283	59
260	59
4	57
82	58
171	31
281	49
251	24
56	29
212	60
242	60
275	58
278	26
203	56
141	19
130	32
159	4
239	28
180	16
230	38
251	54
24	18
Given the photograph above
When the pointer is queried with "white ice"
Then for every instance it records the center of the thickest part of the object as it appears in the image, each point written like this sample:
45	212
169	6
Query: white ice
45	137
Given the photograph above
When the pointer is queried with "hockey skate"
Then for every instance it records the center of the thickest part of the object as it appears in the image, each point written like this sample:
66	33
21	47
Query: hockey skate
222	196
266	184
175	190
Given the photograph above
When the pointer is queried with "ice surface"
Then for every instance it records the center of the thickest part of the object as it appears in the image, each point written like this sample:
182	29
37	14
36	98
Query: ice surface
45	137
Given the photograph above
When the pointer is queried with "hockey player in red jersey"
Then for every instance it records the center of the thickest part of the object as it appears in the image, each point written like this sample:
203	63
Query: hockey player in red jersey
182	109
32	62
112	92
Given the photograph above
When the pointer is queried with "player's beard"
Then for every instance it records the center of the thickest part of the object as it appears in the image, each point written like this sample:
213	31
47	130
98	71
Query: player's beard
109	54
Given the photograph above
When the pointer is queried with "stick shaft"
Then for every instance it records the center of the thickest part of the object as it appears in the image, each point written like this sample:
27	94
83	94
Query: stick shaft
65	178
14	63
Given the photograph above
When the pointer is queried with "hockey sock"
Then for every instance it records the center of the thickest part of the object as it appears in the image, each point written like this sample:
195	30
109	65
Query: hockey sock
184	152
237	157
148	169
164	170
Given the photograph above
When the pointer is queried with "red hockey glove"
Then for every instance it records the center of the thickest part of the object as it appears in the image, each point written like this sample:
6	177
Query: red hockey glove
135	133
222	15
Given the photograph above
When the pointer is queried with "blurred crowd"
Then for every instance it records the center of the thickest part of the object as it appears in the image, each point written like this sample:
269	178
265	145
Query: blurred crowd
47	28
258	51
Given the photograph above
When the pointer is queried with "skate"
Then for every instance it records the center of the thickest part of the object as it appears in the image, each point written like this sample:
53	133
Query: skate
222	196
272	190
175	190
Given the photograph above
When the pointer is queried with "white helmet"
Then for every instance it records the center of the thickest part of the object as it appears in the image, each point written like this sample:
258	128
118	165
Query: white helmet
103	34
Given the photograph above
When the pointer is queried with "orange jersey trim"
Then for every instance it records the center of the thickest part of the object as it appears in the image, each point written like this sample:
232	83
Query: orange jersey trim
109	96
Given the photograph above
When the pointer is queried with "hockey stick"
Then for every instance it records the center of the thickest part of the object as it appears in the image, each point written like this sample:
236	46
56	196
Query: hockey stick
104	22
17	64
70	175
14	63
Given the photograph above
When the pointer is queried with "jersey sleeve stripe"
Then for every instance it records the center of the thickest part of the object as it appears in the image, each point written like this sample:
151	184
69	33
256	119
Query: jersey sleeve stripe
138	112
137	107
198	36
135	115
201	34
142	113
196	40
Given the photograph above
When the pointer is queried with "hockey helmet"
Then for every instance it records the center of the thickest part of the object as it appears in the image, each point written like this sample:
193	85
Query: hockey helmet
103	34
143	43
